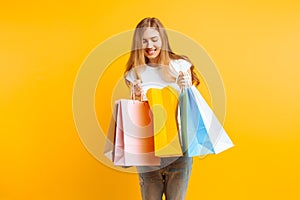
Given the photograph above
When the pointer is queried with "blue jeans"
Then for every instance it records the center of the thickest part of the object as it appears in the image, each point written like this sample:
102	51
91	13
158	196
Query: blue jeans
171	180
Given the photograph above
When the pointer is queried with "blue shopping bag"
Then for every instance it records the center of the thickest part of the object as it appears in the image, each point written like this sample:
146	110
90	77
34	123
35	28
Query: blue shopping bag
195	138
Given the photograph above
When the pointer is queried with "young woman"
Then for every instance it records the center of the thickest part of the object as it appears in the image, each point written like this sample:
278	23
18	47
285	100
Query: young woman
152	64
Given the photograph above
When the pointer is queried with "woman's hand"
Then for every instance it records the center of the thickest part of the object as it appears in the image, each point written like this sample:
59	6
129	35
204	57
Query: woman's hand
137	89
184	80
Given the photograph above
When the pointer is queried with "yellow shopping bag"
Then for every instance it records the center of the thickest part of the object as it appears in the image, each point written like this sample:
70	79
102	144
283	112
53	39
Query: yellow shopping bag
164	103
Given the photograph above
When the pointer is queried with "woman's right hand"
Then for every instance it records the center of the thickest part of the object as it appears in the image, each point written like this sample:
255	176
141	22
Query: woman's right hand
137	89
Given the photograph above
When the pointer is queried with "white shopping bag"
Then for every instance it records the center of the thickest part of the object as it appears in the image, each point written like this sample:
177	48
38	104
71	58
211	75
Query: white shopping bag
216	132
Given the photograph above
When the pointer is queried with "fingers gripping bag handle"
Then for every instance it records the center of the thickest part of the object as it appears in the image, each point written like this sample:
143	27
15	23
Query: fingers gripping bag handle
132	92
189	81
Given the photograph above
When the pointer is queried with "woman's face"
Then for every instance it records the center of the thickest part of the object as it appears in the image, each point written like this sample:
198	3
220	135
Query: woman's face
151	44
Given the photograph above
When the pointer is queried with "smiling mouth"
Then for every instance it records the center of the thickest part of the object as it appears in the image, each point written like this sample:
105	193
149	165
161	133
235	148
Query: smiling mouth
150	51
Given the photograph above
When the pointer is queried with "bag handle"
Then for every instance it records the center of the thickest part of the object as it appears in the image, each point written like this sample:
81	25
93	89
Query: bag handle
132	93
182	88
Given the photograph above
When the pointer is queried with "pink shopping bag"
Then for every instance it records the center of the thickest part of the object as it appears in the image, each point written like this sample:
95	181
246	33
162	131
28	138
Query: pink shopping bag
134	137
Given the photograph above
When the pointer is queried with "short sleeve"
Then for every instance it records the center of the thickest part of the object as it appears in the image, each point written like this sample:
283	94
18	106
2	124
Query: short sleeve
180	65
130	76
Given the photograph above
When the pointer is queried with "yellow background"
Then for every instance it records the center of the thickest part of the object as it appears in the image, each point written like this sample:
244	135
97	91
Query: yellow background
255	45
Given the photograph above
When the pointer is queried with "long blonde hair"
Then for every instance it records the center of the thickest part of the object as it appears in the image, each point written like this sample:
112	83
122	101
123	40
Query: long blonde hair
137	58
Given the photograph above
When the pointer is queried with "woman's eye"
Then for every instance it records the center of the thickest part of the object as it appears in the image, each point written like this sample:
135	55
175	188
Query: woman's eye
154	40
144	41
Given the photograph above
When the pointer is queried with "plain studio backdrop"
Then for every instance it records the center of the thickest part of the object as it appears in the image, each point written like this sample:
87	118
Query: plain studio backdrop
254	45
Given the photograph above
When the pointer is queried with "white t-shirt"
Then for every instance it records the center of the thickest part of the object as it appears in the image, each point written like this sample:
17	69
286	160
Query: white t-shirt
153	77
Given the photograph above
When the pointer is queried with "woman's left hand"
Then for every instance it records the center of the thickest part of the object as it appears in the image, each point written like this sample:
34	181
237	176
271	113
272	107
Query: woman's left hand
184	80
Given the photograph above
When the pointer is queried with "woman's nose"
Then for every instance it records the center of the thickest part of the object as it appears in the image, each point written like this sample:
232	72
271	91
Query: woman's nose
149	44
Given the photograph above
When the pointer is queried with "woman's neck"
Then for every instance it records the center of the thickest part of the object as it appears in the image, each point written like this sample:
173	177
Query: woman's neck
153	62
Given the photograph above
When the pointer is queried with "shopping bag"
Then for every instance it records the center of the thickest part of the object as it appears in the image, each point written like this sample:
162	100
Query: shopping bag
134	140
195	139
164	103
217	135
110	139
